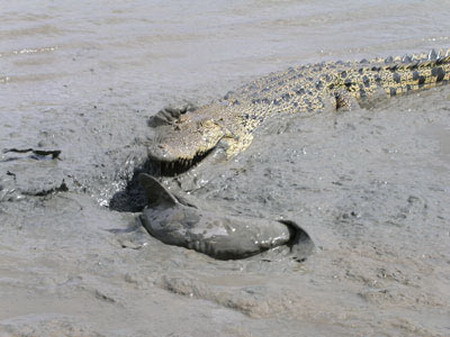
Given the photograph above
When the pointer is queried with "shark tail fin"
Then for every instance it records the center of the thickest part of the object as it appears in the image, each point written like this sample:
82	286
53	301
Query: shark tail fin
301	245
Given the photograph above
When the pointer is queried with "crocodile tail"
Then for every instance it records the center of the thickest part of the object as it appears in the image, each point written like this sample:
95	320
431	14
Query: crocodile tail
418	75
398	76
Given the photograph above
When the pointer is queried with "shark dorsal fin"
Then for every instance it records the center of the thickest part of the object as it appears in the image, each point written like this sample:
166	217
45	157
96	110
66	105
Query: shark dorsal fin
157	194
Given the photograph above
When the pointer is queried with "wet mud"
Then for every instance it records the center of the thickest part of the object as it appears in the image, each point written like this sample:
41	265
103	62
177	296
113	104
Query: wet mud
370	186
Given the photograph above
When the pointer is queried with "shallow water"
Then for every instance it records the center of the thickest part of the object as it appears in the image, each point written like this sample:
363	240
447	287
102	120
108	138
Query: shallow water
370	186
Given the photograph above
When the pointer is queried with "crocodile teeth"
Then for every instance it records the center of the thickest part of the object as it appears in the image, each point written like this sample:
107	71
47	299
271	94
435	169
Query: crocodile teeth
181	165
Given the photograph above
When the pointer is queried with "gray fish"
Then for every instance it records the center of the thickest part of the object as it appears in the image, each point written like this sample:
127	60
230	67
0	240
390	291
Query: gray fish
177	221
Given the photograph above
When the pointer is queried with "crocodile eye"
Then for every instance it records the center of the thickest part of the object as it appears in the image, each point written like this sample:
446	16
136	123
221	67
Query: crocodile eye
166	116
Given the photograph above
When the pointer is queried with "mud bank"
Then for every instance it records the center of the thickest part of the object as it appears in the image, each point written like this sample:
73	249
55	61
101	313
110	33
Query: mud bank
370	186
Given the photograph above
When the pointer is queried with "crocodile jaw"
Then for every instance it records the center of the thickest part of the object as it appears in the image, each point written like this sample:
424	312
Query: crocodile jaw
177	148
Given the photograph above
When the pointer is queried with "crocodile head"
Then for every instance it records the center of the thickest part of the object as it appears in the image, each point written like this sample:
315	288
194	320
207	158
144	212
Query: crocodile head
184	139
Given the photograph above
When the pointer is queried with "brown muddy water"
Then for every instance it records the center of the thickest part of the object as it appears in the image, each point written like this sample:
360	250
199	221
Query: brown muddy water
371	186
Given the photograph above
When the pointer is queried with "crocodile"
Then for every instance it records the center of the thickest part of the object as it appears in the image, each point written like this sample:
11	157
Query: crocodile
184	137
176	220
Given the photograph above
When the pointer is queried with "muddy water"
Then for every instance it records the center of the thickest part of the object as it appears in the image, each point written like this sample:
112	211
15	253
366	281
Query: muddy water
370	186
